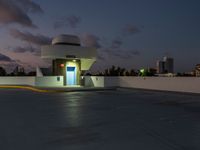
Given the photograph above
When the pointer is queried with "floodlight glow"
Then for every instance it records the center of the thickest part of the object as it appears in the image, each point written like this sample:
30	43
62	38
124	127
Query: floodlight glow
142	70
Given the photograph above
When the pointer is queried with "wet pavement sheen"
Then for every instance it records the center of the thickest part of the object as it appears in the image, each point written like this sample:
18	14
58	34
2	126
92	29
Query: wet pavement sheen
121	119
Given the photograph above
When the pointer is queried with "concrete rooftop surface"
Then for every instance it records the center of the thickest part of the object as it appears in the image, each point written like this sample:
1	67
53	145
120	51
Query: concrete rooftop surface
101	120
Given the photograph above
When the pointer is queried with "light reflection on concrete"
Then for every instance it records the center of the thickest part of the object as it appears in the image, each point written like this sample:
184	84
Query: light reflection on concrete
73	109
123	119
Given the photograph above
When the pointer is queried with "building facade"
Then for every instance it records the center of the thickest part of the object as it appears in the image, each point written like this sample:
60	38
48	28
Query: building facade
165	66
160	67
168	65
197	70
69	59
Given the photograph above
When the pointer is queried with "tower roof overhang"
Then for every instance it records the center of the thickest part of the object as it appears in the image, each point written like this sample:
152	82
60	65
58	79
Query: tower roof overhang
86	55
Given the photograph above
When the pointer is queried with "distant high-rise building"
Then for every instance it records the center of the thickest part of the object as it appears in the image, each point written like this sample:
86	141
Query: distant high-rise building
168	65
160	66
165	66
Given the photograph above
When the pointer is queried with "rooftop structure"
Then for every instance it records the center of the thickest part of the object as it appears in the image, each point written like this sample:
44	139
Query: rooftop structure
69	58
66	40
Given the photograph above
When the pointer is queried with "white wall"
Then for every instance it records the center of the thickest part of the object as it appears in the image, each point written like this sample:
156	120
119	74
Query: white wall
112	81
93	81
17	81
39	72
49	81
100	81
178	84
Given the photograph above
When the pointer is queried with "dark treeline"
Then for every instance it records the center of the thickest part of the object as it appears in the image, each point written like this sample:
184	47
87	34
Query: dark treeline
120	71
18	71
112	71
116	71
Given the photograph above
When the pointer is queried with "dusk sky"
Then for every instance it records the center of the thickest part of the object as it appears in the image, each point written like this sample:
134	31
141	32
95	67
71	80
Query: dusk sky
129	33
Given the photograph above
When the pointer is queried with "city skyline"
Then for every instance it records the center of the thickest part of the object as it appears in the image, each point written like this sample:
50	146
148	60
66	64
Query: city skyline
132	34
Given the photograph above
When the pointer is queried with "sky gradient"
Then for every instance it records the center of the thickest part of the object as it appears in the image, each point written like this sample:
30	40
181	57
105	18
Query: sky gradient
129	33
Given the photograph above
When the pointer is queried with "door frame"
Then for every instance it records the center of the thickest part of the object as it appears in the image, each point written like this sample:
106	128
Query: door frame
75	75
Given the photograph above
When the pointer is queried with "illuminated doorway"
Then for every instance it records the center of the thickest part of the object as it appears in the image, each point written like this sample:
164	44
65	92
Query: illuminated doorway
71	75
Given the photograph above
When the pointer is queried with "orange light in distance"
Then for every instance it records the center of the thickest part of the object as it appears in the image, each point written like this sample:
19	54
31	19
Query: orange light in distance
62	65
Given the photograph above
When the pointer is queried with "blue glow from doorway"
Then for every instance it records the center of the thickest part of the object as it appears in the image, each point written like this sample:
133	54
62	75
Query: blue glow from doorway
71	76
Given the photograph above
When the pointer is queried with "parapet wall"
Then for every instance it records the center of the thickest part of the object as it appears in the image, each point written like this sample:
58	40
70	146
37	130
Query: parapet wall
177	84
47	81
17	81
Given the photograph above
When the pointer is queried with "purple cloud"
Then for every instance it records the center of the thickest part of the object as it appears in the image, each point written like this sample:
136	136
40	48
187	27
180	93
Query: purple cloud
30	38
90	40
121	53
15	11
130	30
4	58
29	6
69	21
117	43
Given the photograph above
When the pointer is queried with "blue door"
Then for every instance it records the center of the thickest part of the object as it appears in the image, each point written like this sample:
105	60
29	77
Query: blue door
71	75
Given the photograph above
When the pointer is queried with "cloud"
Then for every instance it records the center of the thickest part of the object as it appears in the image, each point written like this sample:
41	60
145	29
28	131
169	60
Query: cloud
135	52
117	43
30	38
115	49
90	40
4	58
34	50
30	49
130	30
20	49
30	6
69	21
121	53
124	54
7	62
25	65
16	11
10	64
100	57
